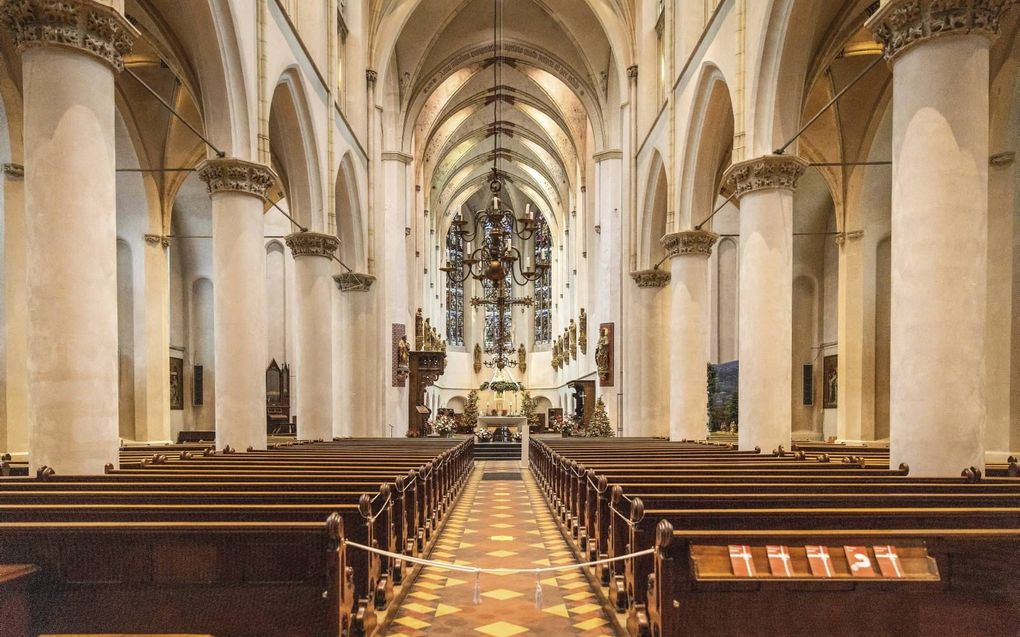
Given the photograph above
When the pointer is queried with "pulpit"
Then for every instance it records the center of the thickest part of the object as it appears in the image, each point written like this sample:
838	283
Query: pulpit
424	369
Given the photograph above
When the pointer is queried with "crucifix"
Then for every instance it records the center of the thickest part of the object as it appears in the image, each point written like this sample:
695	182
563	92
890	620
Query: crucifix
503	347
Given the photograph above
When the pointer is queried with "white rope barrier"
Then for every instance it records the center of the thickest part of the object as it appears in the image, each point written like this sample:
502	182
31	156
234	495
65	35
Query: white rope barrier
478	570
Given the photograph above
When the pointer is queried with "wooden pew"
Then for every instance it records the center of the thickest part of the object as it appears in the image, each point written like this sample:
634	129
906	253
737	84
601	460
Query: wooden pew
975	594
715	501
291	486
230	579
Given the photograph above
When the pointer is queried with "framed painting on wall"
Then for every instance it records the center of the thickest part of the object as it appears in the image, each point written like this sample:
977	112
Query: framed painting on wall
176	383
829	379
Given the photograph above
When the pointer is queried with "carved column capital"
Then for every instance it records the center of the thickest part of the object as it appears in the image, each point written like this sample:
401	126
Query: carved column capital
843	237
353	281
312	244
236	175
14	171
653	278
900	24
632	72
763	173
83	25
157	240
371	75
696	242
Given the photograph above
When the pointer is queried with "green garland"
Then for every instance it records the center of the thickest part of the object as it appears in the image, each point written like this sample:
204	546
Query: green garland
500	386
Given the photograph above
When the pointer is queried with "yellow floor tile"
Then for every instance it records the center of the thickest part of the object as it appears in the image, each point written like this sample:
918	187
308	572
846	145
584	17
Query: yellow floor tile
588	624
501	594
502	629
411	622
418	608
560	610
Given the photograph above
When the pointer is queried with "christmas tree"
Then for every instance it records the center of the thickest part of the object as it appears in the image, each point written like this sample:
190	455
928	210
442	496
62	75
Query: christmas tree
471	410
528	408
599	426
713	393
732	413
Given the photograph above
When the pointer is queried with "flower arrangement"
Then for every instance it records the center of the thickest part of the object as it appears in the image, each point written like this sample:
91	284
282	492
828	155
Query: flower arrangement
483	434
566	425
443	425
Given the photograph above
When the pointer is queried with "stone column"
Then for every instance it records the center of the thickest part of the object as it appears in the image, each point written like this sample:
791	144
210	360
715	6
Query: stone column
238	189
15	312
357	371
688	338
646	384
313	268
393	279
855	411
938	51
153	422
71	52
764	188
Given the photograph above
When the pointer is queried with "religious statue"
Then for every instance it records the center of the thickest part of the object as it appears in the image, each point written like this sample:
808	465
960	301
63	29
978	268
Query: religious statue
522	359
602	353
478	358
403	353
419	329
572	331
555	354
582	328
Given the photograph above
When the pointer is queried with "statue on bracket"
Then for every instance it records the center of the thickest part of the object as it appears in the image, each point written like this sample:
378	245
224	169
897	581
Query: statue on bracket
582	328
403	353
602	353
573	339
478	358
419	330
403	369
522	359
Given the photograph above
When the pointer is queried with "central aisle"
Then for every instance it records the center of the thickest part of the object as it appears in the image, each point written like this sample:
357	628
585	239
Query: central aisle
501	520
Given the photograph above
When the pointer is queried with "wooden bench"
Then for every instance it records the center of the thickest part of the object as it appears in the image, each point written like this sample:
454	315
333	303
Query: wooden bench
231	579
261	496
620	503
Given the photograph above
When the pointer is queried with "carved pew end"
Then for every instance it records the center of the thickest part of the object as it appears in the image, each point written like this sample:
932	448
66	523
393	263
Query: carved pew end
972	474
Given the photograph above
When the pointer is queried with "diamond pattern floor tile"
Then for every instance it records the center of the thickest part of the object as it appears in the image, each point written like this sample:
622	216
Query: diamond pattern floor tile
439	604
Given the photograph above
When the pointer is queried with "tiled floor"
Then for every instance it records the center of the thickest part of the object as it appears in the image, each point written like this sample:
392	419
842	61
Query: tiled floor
500	523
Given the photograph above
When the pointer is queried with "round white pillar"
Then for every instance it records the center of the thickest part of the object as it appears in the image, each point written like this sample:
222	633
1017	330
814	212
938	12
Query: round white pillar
313	268
688	338
647	382
69	59
238	189
939	58
764	187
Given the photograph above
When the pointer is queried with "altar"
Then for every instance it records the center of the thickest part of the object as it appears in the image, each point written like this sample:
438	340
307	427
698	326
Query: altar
520	422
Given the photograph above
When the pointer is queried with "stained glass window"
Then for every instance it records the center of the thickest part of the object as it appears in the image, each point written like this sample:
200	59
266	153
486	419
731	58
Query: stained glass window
543	286
454	291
